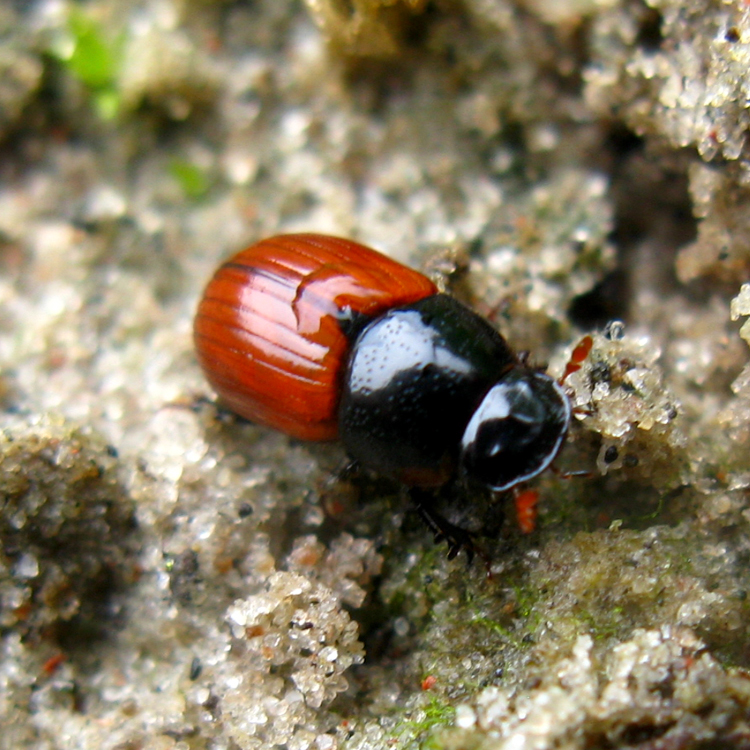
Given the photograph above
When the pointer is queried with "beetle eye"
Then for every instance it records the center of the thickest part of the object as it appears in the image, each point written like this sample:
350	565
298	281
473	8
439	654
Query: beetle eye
516	431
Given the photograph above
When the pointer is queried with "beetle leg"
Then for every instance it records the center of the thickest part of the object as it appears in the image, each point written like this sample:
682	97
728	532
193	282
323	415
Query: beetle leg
558	472
457	538
349	468
339	491
197	404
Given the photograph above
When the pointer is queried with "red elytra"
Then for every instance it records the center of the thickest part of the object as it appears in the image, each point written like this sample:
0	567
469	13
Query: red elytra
267	331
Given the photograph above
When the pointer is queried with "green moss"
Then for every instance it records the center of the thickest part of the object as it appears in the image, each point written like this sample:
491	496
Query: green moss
421	734
437	713
605	623
92	58
193	180
523	610
526	598
498	629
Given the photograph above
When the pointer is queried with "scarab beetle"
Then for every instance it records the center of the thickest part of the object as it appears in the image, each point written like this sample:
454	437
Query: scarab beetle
324	338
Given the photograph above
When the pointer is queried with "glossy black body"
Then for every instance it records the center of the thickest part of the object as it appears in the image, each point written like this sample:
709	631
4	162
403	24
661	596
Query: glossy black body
414	378
516	431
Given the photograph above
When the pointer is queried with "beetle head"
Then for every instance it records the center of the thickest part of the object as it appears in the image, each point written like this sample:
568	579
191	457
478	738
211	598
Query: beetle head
516	431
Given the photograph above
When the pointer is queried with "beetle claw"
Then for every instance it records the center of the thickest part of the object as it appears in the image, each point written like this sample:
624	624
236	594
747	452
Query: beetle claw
444	531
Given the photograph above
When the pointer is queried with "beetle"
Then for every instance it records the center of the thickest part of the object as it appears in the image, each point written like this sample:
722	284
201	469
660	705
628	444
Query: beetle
323	338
